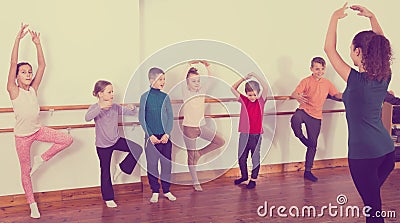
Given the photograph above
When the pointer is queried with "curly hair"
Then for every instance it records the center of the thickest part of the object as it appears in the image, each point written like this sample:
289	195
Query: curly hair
377	54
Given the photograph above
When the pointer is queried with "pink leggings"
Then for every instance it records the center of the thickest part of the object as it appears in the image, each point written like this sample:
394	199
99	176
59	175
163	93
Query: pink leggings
23	145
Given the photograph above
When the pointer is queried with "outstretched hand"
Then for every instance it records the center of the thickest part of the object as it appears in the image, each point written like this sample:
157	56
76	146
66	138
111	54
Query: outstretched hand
35	37
340	13
22	33
362	11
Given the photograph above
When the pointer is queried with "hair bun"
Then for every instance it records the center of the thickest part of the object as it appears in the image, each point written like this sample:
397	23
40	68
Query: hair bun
192	69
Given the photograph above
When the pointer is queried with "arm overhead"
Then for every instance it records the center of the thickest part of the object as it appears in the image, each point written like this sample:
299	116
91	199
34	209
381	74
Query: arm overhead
362	11
236	85
41	62
12	87
336	60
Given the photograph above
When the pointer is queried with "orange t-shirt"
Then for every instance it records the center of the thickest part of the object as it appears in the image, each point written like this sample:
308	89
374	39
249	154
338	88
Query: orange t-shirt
316	92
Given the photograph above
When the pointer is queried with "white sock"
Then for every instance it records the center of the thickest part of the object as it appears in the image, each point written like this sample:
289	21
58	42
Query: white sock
37	162
197	187
34	210
170	196
111	204
154	198
117	172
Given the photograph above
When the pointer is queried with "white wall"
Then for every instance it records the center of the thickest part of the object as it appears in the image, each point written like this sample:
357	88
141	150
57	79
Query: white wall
85	41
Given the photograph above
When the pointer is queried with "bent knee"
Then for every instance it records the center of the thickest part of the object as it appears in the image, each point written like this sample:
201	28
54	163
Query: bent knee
220	142
68	140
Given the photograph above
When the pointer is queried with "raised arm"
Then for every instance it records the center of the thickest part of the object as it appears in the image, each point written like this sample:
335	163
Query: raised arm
362	11
207	65
12	87
41	62
236	85
336	60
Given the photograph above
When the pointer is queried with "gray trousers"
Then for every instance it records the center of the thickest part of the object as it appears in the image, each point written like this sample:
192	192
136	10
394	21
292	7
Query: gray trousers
313	127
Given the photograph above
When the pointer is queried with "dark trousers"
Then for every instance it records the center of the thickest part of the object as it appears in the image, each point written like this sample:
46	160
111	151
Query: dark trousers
249	143
313	127
127	165
154	153
368	176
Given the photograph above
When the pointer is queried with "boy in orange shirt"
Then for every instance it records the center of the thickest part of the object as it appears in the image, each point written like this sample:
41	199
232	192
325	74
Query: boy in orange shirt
311	93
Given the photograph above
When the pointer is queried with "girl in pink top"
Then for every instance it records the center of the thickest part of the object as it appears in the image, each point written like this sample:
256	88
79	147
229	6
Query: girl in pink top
22	87
193	122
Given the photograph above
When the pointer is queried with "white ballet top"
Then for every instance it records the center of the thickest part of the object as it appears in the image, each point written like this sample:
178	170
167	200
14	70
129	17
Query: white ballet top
193	107
26	110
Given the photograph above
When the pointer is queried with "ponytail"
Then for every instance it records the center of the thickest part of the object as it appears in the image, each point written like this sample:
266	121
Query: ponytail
378	58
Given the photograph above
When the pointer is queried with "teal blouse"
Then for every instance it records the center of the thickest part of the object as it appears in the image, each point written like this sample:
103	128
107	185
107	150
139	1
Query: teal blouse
363	99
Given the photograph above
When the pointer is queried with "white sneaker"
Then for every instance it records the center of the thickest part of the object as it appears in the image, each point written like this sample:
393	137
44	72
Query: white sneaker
170	196
111	204
154	198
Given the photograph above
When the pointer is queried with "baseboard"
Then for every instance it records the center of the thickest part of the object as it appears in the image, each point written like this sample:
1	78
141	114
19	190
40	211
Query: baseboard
71	194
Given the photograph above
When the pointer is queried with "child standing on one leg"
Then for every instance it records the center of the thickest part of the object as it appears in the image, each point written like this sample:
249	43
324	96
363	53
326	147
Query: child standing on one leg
194	127
22	88
156	119
250	125
105	114
311	93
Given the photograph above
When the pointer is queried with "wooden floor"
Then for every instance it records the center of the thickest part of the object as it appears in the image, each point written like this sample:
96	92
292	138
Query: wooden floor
221	201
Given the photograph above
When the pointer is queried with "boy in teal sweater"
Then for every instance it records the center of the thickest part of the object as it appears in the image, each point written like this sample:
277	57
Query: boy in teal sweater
156	119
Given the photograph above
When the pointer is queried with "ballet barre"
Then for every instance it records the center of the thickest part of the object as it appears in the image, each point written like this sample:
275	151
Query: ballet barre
79	126
82	107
